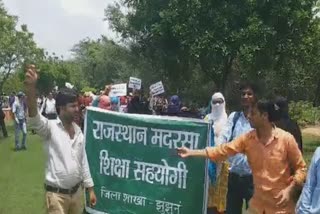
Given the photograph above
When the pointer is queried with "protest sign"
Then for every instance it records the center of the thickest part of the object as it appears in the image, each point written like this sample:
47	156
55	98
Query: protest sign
69	85
118	90
135	167
157	89
135	83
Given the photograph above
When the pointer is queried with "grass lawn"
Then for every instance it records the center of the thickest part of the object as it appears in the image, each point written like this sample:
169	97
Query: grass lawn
22	174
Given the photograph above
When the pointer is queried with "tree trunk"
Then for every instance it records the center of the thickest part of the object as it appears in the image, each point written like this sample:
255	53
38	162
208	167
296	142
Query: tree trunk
1	87
226	72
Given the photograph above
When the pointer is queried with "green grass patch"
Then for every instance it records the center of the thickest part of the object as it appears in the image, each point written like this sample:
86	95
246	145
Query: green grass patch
310	143
22	176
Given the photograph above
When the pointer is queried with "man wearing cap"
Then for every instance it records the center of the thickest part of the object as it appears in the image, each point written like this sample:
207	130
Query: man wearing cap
19	110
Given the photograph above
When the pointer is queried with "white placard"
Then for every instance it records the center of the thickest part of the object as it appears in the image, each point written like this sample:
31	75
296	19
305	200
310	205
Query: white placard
69	85
157	88
135	83
118	90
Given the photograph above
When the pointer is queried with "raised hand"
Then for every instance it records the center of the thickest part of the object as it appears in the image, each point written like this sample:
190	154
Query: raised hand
31	75
30	87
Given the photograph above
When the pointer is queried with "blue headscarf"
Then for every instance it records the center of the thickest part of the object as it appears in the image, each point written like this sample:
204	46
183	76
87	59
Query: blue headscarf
114	100
174	105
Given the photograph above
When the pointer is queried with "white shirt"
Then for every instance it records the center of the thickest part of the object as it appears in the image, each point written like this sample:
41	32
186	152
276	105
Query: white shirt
49	106
67	163
39	101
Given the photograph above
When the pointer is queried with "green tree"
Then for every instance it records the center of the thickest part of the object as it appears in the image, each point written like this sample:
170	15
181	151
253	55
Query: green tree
103	62
256	39
16	46
54	71
13	84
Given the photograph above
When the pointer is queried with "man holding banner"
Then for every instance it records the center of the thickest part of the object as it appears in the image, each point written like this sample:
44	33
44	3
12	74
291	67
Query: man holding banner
67	167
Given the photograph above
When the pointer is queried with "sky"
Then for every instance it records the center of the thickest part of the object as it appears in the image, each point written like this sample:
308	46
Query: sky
59	24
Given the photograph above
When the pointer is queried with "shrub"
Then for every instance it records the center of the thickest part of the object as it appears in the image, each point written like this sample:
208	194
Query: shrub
304	113
88	89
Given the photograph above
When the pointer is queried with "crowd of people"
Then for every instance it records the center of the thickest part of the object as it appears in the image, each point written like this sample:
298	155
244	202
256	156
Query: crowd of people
255	153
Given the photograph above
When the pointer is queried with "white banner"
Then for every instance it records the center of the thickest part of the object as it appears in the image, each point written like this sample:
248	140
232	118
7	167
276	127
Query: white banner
157	88
118	90
135	83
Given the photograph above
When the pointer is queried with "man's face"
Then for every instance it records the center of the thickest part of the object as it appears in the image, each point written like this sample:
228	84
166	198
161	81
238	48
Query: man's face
70	111
50	96
247	97
255	117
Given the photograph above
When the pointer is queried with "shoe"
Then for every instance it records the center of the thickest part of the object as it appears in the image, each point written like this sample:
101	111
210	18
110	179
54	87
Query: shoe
16	149
23	148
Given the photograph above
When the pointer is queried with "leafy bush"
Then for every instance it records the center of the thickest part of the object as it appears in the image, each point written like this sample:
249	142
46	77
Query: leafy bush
88	89
304	113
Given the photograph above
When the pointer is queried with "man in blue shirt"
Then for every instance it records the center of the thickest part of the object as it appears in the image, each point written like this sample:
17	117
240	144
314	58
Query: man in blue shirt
19	110
240	184
309	202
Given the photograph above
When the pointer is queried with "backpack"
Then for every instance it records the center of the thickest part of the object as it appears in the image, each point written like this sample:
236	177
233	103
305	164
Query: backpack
234	121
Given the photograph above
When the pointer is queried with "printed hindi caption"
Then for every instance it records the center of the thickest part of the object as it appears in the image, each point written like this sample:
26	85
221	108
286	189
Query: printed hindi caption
162	207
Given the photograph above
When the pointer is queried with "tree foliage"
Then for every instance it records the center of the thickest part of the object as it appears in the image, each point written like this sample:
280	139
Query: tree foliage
274	41
102	62
194	46
16	46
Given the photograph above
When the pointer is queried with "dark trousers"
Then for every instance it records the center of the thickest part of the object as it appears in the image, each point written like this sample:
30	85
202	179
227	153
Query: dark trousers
239	188
3	127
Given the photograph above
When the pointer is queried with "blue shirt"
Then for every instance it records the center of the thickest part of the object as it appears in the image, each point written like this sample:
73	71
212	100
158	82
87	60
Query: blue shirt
309	202
238	163
18	109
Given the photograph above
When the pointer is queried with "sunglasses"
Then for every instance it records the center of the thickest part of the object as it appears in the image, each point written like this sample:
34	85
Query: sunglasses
217	102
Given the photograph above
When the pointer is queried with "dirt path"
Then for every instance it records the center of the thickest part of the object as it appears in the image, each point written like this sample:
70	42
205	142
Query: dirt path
315	130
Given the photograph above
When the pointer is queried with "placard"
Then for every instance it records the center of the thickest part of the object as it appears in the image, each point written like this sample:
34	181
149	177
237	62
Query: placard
157	88
135	83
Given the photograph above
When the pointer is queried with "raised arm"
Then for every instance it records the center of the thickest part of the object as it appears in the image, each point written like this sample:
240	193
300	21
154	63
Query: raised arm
30	84
37	121
217	153
226	150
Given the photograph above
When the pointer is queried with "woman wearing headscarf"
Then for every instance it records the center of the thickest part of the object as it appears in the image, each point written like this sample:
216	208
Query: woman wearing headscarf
218	173
115	104
174	106
138	104
105	102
